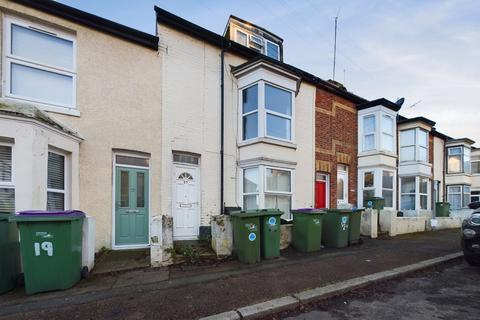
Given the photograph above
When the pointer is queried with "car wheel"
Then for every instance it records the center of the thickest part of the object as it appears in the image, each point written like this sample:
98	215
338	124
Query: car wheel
471	260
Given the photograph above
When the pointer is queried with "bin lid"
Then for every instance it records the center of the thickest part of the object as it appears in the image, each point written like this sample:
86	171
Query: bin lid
42	215
341	210
256	213
308	211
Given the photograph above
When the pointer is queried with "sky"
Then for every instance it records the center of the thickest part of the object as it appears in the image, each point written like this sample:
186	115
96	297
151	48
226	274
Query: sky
425	51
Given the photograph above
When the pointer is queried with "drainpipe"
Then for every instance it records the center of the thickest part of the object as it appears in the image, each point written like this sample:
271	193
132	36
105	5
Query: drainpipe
222	125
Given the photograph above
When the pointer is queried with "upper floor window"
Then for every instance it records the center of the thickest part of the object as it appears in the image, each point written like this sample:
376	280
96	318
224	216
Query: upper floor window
414	145
7	186
272	50
458	160
40	64
369	133
242	37
387	133
271	116
475	164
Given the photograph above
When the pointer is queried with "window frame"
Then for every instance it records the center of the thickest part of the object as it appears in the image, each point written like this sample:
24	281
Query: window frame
374	133
66	182
462	159
237	30
8	59
372	188
10	184
275	44
461	193
417	193
474	159
416	146
414	193
262	186
389	189
263	112
383	132
476	195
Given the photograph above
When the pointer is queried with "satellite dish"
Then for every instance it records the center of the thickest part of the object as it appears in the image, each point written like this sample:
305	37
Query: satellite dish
400	102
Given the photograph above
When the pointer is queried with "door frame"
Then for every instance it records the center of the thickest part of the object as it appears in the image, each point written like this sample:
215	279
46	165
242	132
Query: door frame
176	164
327	187
345	186
114	181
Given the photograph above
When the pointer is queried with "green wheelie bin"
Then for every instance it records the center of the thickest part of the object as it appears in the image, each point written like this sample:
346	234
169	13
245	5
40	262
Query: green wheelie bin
354	227
335	228
442	209
9	254
51	248
270	233
246	235
307	229
377	203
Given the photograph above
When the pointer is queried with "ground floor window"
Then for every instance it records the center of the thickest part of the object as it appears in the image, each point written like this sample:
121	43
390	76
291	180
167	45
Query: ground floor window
377	182
458	196
7	186
414	193
267	187
475	196
56	181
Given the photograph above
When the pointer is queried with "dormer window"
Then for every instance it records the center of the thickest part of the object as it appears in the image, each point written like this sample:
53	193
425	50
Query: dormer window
273	50
242	38
414	145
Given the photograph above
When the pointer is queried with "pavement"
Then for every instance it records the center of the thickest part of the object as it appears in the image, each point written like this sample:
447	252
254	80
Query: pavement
447	292
194	292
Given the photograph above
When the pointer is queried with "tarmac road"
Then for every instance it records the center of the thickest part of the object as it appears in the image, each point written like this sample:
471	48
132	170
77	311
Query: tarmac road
451	292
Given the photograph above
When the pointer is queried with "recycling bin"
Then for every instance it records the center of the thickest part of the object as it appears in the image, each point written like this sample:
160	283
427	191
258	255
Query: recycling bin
335	228
51	248
9	254
246	235
307	229
442	209
270	233
377	203
354	227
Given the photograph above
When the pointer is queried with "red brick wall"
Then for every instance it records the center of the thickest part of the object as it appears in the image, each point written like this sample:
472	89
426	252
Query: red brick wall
336	140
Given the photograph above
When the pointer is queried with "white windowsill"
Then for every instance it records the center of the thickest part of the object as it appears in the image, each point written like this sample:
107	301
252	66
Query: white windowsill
45	107
272	141
377	152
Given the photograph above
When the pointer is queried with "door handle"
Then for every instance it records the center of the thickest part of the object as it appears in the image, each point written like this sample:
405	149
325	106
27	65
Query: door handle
132	211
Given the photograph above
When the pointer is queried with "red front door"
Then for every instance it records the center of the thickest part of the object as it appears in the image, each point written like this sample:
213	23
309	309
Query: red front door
320	194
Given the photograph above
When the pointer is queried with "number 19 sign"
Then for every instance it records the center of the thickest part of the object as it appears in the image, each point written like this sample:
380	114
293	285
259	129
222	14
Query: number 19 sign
45	246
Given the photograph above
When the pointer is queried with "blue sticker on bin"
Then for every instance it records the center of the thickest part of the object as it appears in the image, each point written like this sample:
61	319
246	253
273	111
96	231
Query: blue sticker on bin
252	236
272	221
344	219
370	204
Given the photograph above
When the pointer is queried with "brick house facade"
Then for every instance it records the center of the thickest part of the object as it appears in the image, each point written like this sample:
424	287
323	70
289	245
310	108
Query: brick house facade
336	141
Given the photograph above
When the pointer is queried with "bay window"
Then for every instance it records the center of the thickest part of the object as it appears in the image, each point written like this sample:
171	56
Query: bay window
475	196
56	181
369	133
414	145
40	64
387	133
458	160
458	196
267	188
387	188
7	186
267	111
414	193
368	184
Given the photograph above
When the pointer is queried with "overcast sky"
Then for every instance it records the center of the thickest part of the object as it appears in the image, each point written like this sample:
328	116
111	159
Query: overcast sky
425	51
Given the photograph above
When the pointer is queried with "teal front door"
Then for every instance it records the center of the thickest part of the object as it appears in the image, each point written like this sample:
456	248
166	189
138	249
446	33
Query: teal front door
131	206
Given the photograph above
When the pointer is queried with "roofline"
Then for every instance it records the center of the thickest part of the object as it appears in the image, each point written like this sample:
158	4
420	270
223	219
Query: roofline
379	102
439	134
415	119
460	140
93	21
215	39
252	24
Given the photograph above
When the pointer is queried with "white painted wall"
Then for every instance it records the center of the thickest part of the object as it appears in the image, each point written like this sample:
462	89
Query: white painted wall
439	163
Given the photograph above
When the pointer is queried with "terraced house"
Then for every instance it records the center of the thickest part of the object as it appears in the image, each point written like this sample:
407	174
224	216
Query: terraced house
153	135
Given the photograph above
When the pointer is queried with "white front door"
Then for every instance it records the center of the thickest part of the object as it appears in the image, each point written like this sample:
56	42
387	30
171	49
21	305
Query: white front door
186	202
342	187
